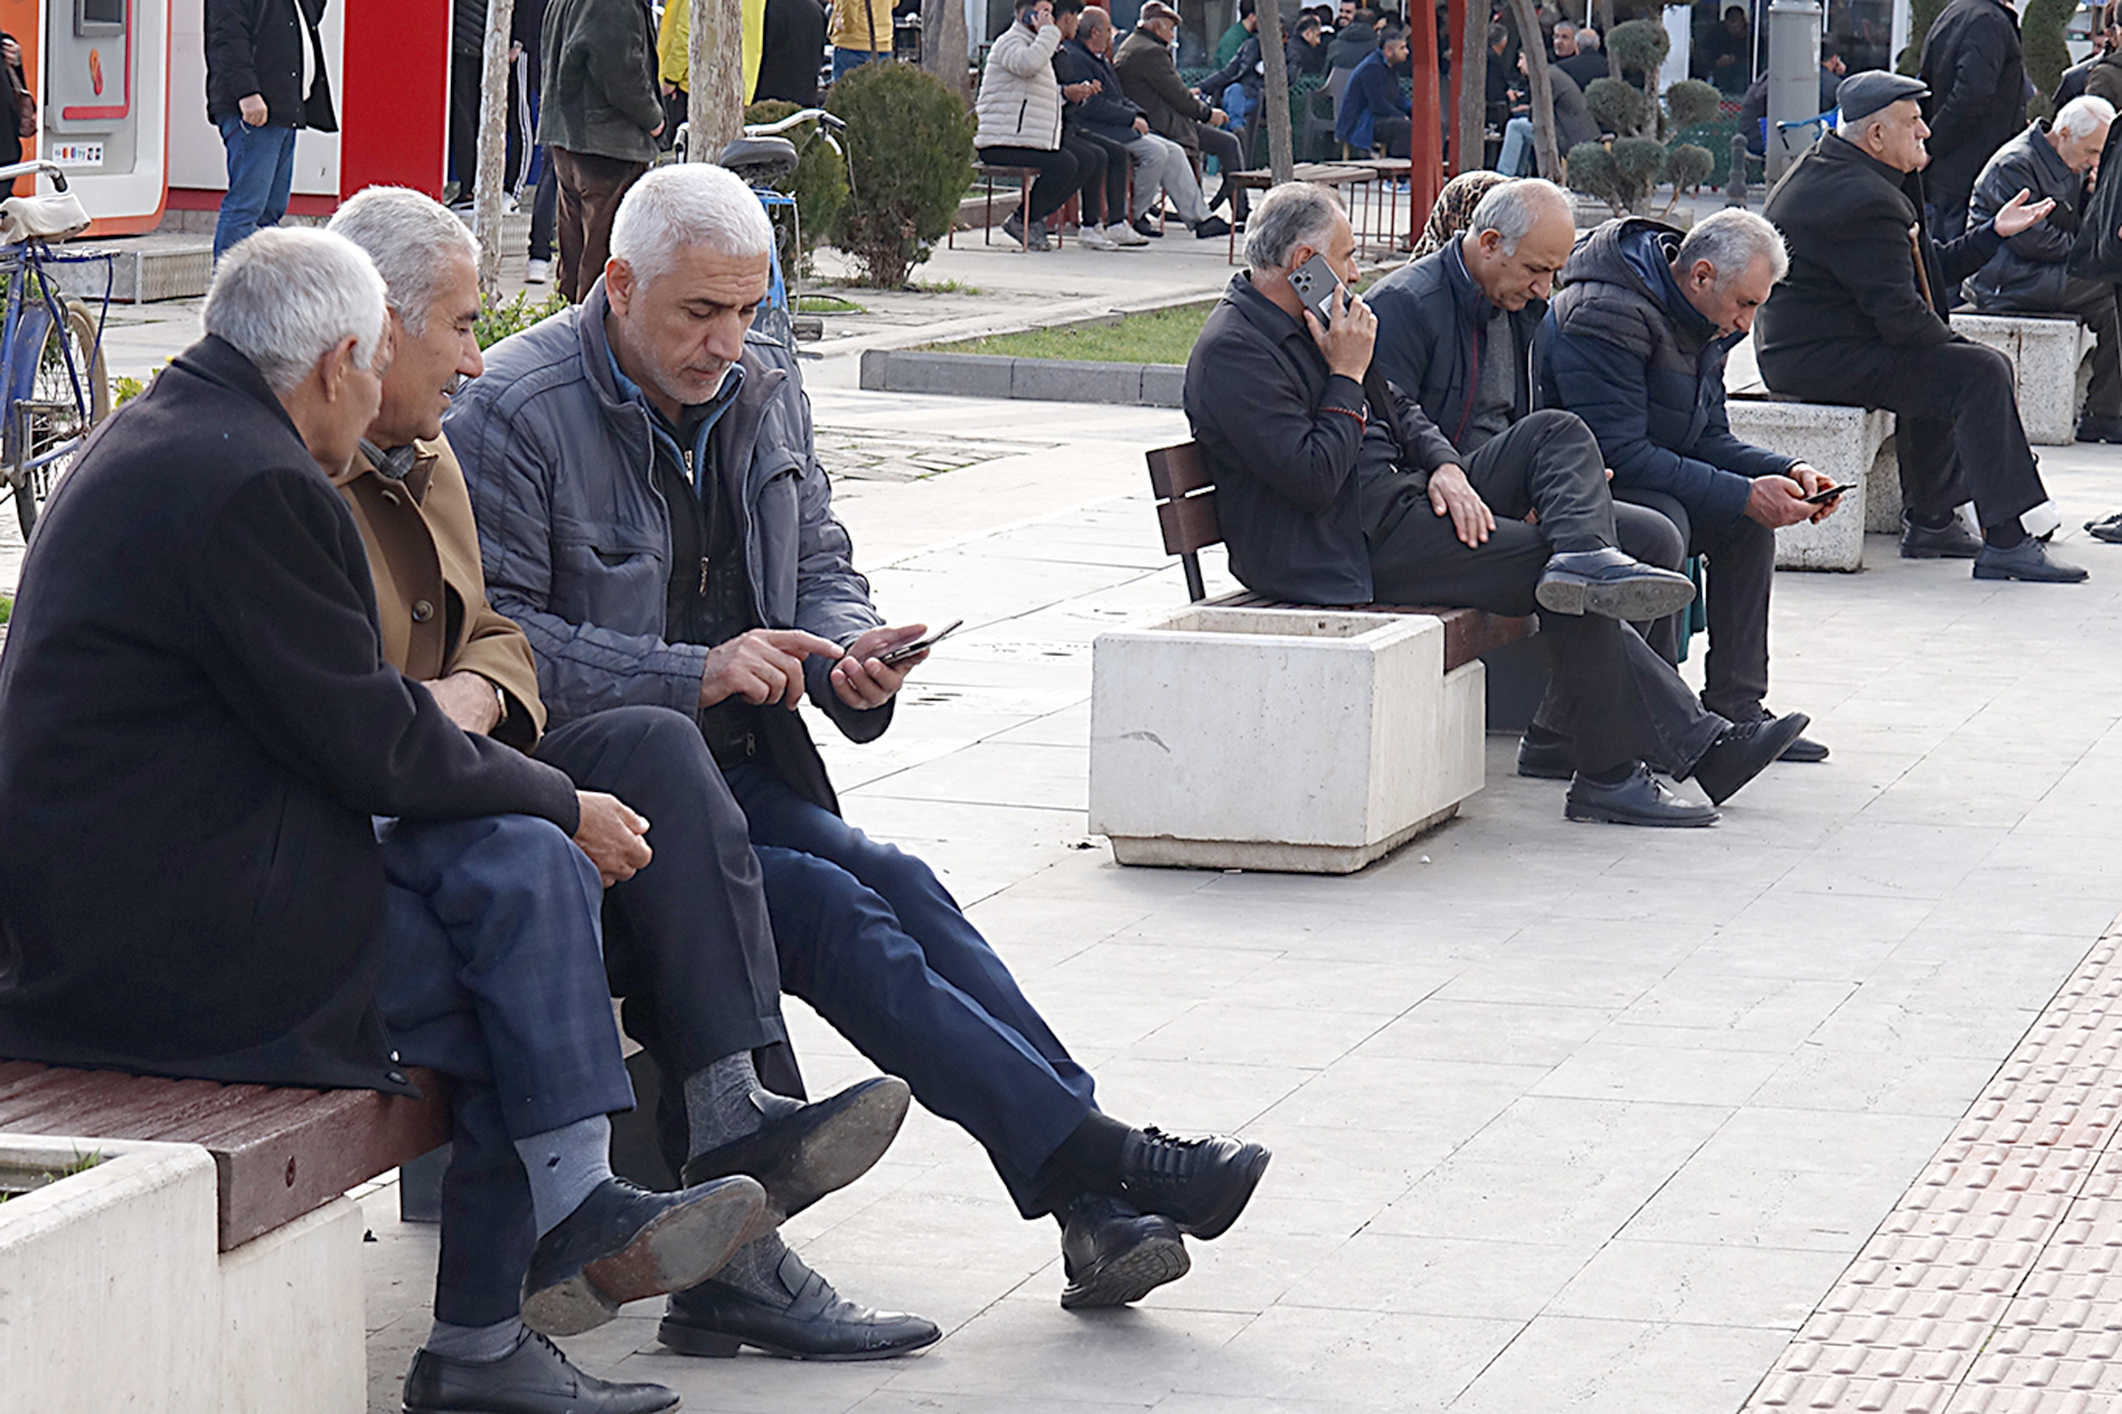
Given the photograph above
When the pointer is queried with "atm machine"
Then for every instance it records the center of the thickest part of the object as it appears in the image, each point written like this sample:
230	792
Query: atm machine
100	73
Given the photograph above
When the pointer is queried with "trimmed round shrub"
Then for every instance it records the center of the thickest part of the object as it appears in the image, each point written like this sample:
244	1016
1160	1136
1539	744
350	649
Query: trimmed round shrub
1687	166
1692	103
819	184
1592	171
1642	44
1640	159
910	157
1619	106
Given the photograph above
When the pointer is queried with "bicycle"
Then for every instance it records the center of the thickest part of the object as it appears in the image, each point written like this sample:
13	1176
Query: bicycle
54	386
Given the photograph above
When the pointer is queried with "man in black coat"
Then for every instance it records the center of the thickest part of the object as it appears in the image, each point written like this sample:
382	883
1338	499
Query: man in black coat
1861	319
1977	80
2031	273
251	851
265	82
1334	487
1635	344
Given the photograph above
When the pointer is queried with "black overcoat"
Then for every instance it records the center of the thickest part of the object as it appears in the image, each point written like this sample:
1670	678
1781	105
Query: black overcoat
1977	76
196	726
257	46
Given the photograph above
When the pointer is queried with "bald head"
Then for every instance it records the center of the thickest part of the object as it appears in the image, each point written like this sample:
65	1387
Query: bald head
1519	237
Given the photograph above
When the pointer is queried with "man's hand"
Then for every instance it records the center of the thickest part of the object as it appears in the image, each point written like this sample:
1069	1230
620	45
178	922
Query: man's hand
1218	118
252	106
2021	212
762	666
1451	494
656	131
1348	341
614	837
1777	501
1814	483
861	680
1077	92
1142	125
468	700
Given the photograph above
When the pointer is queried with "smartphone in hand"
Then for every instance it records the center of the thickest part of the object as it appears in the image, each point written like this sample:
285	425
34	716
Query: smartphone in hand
1316	285
892	658
1821	498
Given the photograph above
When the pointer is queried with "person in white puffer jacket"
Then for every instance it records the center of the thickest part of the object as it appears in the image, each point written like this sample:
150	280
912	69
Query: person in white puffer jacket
1019	109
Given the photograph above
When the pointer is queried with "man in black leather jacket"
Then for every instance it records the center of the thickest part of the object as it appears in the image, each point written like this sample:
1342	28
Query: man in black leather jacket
1976	75
2031	274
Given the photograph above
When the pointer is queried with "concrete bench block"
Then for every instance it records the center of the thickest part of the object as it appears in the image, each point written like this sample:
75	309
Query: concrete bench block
1854	446
1300	740
2049	372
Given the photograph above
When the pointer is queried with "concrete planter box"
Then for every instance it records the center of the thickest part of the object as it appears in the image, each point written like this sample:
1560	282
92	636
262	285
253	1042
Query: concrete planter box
1849	445
113	1295
2050	374
1309	741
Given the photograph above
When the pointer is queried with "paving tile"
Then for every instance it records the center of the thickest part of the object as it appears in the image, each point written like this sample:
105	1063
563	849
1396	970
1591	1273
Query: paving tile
1443	1276
1367	1360
1591	1366
1444	1028
1698	1284
1673	1074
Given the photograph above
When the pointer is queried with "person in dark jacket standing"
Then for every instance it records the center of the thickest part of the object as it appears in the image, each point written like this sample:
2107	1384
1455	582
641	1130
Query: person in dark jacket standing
1977	100
599	116
1337	483
265	82
260	854
1860	318
2031	272
1635	344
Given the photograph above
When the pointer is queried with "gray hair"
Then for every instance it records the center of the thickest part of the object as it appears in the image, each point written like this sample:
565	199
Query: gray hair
1731	241
2082	117
1094	20
1855	131
286	296
687	204
1511	208
413	239
1587	38
1293	214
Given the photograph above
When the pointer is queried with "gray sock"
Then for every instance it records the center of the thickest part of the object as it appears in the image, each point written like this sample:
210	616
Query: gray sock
755	1270
476	1345
564	1164
718	1103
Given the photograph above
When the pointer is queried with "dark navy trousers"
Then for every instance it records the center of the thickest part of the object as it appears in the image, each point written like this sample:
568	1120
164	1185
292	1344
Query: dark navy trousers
871	939
496	978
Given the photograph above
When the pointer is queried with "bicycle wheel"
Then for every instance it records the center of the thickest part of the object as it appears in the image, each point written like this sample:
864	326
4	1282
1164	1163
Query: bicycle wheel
70	395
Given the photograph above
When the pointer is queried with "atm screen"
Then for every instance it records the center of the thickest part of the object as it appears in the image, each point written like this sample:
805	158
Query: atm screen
99	16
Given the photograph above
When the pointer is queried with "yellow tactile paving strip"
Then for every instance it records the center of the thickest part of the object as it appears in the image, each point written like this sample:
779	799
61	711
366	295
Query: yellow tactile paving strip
1995	1285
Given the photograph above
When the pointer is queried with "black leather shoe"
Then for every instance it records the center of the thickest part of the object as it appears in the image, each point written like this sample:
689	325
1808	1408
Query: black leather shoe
1742	751
1200	1184
2099	429
534	1378
1112	1254
2028	560
1950	541
816	1323
1146	227
1642	799
1612	584
624	1243
1211	228
803	1152
1547	760
1804	749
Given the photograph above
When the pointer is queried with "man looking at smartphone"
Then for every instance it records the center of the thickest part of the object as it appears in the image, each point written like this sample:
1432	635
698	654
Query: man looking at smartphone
1635	345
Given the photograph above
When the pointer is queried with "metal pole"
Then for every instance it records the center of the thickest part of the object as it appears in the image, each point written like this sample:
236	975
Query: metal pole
1793	80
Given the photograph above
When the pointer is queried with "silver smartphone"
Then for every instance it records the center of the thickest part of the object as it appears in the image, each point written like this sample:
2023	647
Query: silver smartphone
904	651
1316	284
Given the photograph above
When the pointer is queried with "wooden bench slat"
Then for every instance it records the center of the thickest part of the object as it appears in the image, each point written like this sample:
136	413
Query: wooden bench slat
1189	524
1468	633
1178	471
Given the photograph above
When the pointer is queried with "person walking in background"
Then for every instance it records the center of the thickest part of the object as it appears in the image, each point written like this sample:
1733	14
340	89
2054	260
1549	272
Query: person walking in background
861	31
467	72
599	117
1976	75
265	82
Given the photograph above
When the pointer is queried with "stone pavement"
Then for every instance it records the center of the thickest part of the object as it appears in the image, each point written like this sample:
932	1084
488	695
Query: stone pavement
1565	1117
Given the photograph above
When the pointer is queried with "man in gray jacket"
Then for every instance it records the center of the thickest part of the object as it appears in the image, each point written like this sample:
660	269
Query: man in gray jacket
652	512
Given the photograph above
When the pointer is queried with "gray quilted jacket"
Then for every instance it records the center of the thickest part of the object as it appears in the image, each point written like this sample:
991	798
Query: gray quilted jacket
575	537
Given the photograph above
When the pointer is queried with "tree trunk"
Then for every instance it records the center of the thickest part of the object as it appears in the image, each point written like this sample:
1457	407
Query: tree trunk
1469	146
943	48
1606	29
1275	101
1547	160
714	109
493	144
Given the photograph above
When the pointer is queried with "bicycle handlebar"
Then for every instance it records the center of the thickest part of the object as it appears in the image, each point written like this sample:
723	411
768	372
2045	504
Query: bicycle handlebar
795	119
23	169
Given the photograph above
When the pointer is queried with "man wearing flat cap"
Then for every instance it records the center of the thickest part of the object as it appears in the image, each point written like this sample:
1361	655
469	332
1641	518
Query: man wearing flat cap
1861	318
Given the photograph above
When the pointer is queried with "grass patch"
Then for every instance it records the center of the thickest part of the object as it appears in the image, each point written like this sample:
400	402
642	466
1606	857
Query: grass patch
15	1183
1161	336
941	287
827	304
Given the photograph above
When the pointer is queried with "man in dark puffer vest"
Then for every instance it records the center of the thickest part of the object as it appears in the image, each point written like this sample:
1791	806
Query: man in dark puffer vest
1635	345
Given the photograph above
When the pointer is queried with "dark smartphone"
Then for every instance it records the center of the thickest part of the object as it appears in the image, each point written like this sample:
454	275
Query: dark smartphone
1821	498
904	651
1316	284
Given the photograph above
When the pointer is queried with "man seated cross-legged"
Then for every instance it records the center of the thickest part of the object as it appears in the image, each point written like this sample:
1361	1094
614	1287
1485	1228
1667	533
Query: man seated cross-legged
1335	488
251	850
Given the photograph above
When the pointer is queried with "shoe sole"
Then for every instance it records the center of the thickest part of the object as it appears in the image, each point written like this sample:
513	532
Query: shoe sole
1129	1277
1219	1222
845	1144
1804	755
1545	773
682	1247
2006	575
1633	602
1599	815
719	1345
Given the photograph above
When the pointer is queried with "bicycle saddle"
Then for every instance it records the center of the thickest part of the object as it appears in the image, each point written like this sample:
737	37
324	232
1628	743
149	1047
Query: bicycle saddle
758	158
45	218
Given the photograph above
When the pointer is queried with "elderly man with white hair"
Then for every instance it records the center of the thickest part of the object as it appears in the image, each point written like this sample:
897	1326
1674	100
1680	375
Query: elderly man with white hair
1397	458
262	854
652	512
1635	345
2031	273
1860	318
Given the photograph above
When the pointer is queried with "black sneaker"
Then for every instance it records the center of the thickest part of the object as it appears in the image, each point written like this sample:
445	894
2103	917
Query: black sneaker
1212	227
1200	1184
1804	749
624	1243
1742	751
1113	1255
1146	227
534	1378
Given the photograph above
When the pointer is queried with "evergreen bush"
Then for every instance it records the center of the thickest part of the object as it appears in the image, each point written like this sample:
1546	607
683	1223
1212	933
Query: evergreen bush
819	184
910	157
